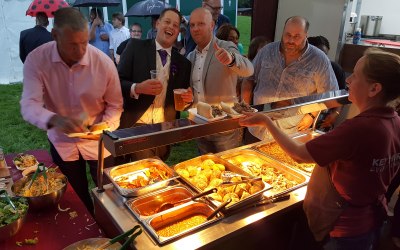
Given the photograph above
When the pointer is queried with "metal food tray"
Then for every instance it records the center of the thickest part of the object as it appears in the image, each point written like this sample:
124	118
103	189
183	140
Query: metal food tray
230	167
137	167
169	217
301	137
142	206
236	157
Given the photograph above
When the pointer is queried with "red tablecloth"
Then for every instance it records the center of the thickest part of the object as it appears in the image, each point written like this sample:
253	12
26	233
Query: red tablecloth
382	42
54	229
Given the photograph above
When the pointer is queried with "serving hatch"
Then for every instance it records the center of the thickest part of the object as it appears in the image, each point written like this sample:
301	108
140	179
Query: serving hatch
283	179
140	177
204	172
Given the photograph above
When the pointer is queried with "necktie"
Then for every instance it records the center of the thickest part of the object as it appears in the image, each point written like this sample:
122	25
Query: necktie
163	55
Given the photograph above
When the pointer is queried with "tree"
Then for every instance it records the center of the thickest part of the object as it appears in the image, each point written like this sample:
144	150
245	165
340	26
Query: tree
245	3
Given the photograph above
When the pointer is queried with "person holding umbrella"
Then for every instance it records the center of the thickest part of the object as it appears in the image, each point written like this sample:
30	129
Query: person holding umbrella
148	101
32	38
99	31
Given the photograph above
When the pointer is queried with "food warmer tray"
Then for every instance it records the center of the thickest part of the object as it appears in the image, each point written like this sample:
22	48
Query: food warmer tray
236	157
301	137
177	217
138	168
143	207
230	167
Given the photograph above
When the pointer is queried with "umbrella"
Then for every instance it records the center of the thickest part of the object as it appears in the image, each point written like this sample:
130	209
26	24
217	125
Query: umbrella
46	6
96	3
147	8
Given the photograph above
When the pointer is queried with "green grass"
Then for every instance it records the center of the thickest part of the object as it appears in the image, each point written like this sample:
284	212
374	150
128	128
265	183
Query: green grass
244	27
16	135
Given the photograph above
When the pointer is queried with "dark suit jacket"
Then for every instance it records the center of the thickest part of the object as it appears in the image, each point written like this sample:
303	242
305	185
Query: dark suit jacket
138	58
32	38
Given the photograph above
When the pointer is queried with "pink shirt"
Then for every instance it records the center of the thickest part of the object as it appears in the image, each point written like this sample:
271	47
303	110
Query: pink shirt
51	87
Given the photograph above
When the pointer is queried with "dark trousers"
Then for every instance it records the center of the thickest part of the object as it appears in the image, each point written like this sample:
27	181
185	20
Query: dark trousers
76	174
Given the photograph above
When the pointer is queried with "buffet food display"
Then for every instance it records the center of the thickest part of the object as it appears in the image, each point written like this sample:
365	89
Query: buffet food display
140	177
281	178
41	185
164	203
11	220
44	191
205	172
24	161
275	151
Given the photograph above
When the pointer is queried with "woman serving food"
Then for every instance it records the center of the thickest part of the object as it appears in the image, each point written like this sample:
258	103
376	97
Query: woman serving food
357	160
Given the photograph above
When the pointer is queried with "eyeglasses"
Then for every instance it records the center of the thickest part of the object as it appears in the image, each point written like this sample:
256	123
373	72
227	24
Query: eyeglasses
214	8
135	31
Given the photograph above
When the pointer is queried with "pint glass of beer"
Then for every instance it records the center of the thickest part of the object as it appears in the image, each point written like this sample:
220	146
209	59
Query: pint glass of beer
180	105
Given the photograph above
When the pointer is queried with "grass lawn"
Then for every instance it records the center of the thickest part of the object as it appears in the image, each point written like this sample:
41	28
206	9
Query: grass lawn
16	135
244	27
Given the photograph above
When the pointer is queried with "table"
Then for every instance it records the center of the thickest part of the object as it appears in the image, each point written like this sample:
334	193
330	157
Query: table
381	42
54	229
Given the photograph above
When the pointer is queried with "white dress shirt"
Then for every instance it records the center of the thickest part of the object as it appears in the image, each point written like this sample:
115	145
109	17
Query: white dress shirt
197	73
117	36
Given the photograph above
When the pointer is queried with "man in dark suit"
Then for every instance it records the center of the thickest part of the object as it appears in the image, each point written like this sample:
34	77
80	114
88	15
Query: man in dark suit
32	38
148	101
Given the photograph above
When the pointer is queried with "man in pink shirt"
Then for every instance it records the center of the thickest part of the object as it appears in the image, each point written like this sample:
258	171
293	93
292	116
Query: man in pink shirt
69	84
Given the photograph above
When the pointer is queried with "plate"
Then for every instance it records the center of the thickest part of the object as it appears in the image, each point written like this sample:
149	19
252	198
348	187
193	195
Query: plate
239	115
193	113
21	167
85	134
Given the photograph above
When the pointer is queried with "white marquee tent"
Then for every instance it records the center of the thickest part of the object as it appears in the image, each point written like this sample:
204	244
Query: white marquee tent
12	22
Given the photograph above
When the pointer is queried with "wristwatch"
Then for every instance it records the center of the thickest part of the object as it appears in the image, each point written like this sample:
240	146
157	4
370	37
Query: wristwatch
312	116
233	59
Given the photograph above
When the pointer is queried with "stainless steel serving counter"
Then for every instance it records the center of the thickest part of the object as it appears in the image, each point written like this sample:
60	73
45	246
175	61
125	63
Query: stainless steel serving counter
273	225
115	218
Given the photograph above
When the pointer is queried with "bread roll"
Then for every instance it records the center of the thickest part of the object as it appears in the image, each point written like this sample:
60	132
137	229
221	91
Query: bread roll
205	110
228	109
99	126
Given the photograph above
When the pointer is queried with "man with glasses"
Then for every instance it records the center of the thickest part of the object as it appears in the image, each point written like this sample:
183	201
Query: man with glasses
215	7
136	32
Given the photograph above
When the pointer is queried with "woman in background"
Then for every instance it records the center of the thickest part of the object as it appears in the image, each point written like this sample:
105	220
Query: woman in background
228	32
255	45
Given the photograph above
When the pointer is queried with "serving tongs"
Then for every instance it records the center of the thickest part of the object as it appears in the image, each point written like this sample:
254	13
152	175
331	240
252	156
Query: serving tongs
227	177
135	231
218	209
5	194
41	169
168	205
